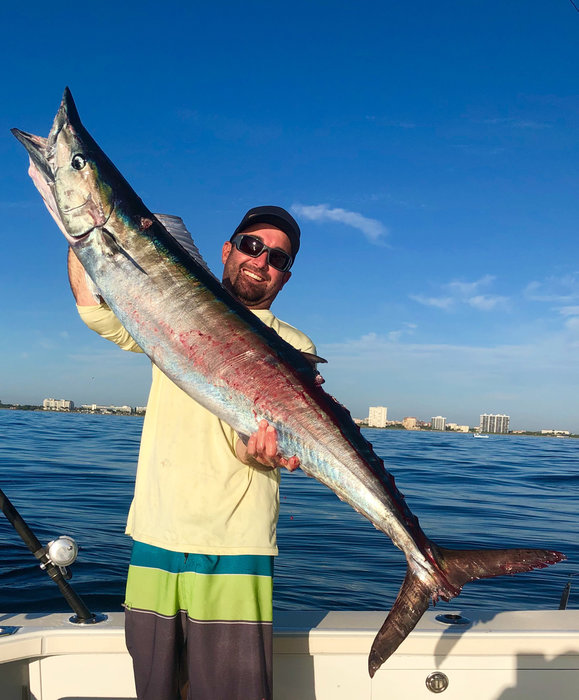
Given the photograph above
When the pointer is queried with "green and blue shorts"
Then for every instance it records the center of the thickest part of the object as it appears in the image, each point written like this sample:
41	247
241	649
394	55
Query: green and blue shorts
199	618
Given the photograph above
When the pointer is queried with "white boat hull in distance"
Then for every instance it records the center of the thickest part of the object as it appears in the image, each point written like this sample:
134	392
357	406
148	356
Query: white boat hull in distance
319	655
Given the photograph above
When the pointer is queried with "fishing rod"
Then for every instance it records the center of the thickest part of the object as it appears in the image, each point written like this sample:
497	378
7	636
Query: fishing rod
54	558
565	594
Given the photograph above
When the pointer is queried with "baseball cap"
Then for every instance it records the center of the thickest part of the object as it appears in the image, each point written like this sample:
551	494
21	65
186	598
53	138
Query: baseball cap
276	216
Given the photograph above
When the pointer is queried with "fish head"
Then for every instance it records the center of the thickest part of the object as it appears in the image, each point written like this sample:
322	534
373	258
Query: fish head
71	173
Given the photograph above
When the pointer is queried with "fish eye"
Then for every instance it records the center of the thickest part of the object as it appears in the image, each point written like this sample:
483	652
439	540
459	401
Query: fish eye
78	162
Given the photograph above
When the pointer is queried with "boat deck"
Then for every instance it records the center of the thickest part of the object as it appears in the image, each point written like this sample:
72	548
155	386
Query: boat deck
319	655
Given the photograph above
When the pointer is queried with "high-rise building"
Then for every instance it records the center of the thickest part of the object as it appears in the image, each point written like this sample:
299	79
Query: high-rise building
494	423
377	416
438	423
57	405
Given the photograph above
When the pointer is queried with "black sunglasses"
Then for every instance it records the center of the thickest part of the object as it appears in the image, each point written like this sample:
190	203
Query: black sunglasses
254	247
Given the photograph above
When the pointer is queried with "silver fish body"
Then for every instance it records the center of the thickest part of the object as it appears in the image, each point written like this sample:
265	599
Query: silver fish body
222	356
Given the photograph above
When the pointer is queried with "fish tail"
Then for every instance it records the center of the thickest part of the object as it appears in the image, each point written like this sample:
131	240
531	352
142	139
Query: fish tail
411	603
453	568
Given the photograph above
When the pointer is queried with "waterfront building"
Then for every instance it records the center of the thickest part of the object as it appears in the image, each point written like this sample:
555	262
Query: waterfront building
410	423
57	405
95	408
377	416
494	423
457	428
438	423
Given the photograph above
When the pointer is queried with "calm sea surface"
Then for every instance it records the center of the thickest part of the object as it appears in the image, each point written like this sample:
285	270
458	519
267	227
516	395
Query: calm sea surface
73	474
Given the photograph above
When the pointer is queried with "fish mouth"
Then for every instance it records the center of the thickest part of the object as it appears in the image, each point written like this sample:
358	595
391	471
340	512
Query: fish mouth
40	149
37	146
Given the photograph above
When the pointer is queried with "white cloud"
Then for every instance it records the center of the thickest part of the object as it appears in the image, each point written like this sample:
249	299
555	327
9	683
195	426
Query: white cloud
530	124
569	311
517	123
484	302
499	367
438	302
554	290
396	336
464	293
460	380
373	229
467	288
563	293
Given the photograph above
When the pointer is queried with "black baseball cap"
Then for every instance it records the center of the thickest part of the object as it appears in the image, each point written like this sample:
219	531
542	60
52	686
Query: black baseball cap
276	216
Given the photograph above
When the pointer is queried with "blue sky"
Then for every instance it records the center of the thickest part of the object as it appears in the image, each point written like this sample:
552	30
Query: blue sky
428	150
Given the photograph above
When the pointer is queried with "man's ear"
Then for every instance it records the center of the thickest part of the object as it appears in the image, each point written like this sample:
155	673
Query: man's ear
287	275
225	251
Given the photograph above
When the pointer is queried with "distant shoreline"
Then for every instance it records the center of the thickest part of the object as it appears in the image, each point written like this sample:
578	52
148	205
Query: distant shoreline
81	411
511	433
524	433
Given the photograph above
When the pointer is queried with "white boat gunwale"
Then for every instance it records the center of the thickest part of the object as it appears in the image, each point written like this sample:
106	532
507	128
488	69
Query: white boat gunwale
317	655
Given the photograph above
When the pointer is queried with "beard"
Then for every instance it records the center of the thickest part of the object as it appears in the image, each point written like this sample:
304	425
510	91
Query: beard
249	292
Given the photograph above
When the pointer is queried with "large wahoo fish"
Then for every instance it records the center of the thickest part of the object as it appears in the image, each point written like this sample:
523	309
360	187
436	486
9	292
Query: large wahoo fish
226	359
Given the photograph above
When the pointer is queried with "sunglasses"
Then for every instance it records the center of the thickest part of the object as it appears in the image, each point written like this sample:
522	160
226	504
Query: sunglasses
254	247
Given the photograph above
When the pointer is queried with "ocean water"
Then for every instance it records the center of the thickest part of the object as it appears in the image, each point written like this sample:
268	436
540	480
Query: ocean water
73	474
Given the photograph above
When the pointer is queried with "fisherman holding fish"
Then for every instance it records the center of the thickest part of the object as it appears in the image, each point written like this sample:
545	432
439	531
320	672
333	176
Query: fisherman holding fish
199	591
203	519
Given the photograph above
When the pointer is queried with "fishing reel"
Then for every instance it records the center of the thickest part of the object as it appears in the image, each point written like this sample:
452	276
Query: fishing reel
61	552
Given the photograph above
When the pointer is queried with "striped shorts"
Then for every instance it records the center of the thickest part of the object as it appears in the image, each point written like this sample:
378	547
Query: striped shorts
201	623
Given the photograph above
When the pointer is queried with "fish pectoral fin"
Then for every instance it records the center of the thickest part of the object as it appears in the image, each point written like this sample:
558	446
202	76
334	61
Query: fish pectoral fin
114	248
411	603
92	288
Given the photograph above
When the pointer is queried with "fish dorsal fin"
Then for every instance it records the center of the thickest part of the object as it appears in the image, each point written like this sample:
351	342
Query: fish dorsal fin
176	227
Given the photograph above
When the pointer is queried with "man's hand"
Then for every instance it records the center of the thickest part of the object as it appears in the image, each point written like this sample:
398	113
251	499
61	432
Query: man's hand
262	447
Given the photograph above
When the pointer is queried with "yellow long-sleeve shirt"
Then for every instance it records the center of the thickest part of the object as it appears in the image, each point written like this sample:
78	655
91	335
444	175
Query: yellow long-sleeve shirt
192	494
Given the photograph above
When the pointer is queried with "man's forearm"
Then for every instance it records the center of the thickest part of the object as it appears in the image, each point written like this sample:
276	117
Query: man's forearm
78	283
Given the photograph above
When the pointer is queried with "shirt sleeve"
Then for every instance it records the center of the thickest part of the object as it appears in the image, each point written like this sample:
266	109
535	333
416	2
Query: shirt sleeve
294	337
103	321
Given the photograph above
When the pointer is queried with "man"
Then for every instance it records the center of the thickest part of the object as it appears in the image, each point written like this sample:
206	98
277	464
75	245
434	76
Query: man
199	590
